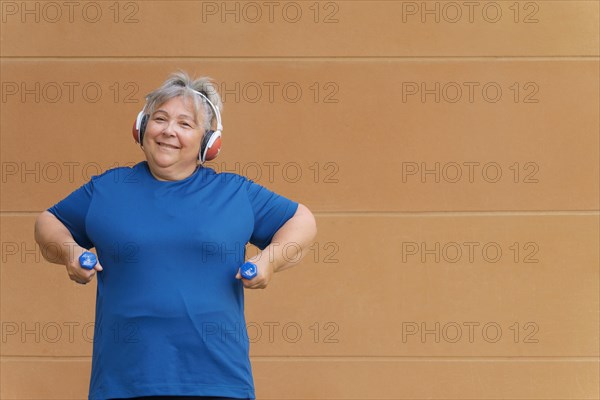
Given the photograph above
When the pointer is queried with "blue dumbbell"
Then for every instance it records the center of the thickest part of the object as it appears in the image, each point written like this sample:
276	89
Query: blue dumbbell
248	270
88	260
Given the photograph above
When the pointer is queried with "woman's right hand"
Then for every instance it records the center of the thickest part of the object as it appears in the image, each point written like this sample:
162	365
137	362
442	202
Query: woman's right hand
76	272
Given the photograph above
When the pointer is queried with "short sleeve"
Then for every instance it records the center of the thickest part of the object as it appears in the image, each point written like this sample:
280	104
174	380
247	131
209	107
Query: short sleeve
72	211
271	212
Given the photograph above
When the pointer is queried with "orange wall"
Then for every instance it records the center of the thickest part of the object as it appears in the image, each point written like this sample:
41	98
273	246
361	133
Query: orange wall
449	150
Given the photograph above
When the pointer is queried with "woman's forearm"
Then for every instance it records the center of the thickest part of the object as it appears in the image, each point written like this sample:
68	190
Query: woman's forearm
289	244
54	239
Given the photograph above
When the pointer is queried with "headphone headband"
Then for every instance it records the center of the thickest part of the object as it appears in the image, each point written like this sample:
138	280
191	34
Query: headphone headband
215	109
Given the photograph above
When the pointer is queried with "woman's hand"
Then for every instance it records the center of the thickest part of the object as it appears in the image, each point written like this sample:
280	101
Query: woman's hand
76	272
264	272
296	234
58	247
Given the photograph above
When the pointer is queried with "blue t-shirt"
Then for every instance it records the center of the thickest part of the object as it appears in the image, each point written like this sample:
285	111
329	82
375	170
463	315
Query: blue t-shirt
169	311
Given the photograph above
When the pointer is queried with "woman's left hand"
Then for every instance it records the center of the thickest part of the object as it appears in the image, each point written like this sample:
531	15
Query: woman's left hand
263	276
296	234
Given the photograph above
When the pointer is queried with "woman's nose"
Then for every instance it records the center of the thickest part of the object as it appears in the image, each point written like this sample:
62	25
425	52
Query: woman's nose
170	129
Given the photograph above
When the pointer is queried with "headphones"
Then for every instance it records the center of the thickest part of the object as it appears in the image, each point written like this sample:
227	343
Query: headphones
211	141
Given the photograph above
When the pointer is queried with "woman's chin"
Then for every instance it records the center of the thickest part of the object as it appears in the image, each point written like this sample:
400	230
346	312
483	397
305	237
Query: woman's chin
173	164
163	161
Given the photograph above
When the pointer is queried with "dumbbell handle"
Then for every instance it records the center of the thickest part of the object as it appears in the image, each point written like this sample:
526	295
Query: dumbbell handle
248	270
88	260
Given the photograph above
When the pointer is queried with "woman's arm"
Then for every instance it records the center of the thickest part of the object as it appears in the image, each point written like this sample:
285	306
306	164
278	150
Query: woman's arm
287	248
298	234
58	246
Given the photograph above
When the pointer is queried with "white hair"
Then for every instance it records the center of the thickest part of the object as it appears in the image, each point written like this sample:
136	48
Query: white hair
180	84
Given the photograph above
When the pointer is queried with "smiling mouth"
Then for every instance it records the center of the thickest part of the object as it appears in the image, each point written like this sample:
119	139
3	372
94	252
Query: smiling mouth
168	146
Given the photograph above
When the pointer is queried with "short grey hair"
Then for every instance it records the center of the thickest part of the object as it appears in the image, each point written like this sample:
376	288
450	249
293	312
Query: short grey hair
180	84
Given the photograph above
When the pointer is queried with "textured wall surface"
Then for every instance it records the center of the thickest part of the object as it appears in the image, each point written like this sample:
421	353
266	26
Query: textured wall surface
449	150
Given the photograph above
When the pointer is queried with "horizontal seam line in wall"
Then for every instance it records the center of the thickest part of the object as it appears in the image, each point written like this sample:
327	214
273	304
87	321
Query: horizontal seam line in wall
454	213
589	213
431	358
364	1
356	358
310	58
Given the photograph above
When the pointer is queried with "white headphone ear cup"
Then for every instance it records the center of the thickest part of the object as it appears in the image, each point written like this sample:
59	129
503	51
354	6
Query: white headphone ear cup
138	120
143	126
139	126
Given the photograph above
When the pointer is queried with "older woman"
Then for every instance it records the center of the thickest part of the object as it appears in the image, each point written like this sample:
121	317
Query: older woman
170	235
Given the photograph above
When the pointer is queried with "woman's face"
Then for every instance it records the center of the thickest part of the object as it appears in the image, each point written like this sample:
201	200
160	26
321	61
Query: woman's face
172	139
